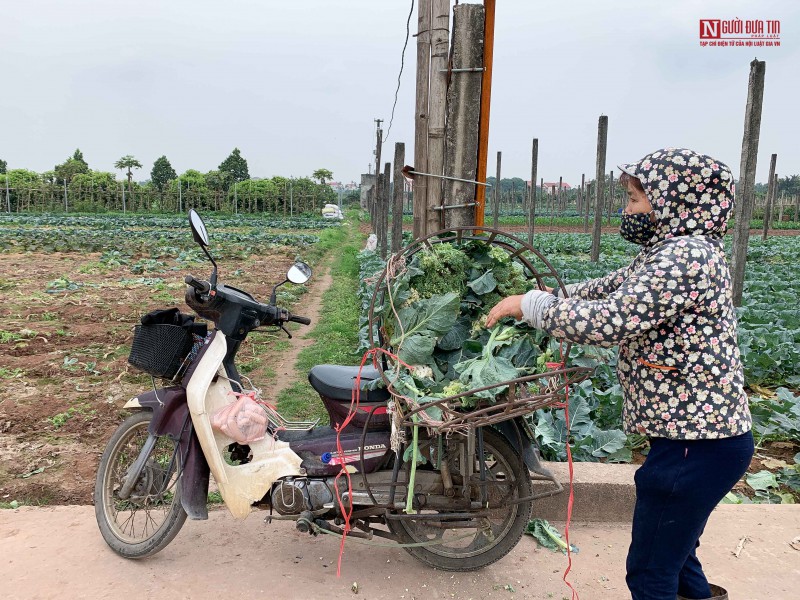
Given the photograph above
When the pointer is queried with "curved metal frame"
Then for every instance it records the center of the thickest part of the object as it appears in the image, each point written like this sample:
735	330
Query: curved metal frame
516	403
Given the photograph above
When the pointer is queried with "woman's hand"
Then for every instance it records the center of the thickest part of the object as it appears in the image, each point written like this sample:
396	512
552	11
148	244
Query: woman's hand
507	307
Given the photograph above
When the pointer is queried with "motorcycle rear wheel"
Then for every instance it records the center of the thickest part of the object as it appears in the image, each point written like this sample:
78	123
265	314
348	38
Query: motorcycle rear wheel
151	517
457	549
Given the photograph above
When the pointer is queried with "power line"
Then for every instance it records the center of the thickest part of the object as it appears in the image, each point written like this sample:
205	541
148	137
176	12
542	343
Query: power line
402	63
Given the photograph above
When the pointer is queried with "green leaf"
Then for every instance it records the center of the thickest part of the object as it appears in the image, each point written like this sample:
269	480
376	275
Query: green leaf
416	349
580	419
547	535
623	455
433	316
484	284
455	338
606	443
434	412
762	481
522	352
731	498
480	372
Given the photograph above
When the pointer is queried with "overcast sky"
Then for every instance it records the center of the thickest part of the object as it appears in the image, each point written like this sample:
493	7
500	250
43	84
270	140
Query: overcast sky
296	85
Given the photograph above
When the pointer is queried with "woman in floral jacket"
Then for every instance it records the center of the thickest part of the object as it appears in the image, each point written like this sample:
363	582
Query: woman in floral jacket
671	314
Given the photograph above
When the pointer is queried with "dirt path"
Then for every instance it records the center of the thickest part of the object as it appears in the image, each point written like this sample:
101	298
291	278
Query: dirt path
310	306
58	553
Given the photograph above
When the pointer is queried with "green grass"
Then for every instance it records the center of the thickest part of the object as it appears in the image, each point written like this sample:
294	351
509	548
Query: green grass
336	334
10	373
7	337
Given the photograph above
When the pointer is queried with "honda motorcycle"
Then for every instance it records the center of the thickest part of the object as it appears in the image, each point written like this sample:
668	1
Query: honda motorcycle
472	493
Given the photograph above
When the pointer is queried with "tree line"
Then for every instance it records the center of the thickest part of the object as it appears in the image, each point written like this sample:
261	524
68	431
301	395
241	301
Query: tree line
72	186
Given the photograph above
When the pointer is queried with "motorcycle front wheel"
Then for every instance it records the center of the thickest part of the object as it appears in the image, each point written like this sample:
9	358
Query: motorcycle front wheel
151	516
474	543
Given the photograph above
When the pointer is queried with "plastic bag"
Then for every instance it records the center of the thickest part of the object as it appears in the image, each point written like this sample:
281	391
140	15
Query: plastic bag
243	419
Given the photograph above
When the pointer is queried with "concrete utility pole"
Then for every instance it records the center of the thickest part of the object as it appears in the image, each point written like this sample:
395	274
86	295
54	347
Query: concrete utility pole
440	44
532	196
463	115
496	199
770	199
743	207
602	141
421	117
383	211
376	190
397	203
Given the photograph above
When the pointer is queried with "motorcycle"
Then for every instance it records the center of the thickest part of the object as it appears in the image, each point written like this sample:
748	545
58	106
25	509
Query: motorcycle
471	495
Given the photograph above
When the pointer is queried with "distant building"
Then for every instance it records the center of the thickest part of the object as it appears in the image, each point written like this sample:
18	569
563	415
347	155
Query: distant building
346	187
550	186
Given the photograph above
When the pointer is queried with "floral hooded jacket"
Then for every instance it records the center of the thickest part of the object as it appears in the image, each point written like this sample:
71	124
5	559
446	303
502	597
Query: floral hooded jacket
671	310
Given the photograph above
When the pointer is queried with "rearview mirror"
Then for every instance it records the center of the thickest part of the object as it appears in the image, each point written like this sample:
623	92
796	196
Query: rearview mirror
199	232
299	272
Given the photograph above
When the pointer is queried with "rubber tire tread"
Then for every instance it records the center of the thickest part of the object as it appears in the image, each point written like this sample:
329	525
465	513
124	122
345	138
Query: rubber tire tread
508	542
172	524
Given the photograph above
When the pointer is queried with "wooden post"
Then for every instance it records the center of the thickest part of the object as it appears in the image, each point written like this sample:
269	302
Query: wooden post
544	196
587	202
797	207
437	101
602	140
532	196
421	117
397	200
780	208
463	115
383	213
771	185
610	198
772	202
496	195
561	195
743	207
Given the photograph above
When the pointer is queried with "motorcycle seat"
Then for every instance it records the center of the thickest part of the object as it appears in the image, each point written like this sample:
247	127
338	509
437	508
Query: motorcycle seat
337	382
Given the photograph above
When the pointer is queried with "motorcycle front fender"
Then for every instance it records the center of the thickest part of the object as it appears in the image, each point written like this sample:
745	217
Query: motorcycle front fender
171	418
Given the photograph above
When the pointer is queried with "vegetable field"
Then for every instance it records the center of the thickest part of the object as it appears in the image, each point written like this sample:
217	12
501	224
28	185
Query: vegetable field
73	288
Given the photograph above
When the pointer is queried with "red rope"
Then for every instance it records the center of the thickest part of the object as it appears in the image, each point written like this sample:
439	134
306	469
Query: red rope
355	398
571	500
354	403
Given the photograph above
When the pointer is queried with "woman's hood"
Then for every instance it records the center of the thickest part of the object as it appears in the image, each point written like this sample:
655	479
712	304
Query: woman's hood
691	193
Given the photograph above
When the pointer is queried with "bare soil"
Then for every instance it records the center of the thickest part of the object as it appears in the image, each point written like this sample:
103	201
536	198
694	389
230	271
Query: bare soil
63	360
47	552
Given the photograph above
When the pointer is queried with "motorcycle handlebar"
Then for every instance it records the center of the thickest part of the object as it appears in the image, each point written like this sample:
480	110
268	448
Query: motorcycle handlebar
301	320
201	286
210	304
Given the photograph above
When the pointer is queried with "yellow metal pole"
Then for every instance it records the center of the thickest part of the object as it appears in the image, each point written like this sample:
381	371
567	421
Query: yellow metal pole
486	96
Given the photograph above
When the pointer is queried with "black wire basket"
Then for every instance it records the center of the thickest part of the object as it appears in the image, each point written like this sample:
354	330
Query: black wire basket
160	350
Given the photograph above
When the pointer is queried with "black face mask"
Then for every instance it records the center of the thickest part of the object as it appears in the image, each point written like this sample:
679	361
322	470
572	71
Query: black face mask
637	228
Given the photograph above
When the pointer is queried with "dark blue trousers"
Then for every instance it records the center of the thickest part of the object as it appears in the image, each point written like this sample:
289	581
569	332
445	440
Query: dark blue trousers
678	486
